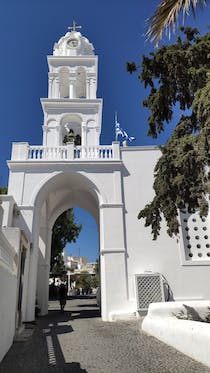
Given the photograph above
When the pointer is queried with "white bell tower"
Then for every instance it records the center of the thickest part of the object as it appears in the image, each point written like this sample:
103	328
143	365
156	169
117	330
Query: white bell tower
72	107
71	169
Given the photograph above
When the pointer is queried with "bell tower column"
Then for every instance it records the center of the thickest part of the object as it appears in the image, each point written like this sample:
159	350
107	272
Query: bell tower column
56	88
72	88
92	88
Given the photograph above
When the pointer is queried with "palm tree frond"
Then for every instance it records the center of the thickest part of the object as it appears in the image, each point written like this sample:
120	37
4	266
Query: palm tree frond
166	16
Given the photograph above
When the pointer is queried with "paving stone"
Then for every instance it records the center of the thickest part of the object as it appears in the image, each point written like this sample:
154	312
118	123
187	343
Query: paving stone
78	341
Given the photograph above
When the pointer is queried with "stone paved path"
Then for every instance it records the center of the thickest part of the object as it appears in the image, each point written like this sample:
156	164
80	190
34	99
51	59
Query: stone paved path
82	343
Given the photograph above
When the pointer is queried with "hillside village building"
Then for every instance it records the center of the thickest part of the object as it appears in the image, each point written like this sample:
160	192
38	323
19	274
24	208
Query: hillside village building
74	262
70	168
78	264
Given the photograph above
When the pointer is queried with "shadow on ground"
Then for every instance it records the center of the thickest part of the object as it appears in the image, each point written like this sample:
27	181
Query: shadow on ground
84	314
79	311
42	352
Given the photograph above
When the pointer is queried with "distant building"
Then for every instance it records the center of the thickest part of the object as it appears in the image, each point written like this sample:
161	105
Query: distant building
79	264
91	268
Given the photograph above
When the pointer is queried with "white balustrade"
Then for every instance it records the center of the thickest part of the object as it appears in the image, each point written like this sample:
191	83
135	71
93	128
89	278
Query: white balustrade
60	153
94	152
47	152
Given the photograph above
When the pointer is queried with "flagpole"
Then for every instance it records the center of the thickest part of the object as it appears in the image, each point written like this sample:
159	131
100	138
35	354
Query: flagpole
115	118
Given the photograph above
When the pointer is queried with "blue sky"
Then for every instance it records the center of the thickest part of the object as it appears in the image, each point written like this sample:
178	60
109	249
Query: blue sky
116	28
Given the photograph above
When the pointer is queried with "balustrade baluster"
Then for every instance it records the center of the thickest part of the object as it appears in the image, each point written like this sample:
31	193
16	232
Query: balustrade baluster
96	152
82	153
85	152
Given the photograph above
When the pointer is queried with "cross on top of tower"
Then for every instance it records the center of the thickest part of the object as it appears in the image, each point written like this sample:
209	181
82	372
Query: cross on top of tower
74	27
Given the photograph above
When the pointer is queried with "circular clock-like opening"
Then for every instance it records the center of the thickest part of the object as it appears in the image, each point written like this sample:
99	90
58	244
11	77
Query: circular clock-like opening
72	43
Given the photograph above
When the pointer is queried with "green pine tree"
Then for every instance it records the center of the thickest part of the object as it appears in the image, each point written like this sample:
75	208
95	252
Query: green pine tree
3	190
178	75
64	230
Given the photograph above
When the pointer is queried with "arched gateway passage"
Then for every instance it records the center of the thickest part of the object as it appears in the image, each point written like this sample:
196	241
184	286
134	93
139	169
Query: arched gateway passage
52	197
55	196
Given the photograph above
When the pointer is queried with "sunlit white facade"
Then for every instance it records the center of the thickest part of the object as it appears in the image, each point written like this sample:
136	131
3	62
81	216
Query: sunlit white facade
70	168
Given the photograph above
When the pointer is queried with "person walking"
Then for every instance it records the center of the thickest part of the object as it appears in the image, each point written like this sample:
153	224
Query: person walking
62	293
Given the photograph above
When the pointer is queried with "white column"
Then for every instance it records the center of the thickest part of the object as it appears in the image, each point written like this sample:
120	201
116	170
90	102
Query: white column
97	135
116	149
92	88
45	292
114	278
44	128
56	88
43	287
117	190
87	88
50	87
44	269
72	89
33	262
84	134
58	139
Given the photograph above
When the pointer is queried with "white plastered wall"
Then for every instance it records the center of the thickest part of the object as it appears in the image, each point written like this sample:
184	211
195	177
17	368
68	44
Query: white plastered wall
8	293
144	254
11	241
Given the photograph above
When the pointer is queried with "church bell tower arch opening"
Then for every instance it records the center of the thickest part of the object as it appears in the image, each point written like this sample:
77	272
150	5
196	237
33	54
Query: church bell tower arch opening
70	128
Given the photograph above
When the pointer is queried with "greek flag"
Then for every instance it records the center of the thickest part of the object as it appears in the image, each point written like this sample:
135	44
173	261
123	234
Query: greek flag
129	138
120	132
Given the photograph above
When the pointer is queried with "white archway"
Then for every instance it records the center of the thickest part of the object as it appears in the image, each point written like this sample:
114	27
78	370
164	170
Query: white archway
54	196
55	193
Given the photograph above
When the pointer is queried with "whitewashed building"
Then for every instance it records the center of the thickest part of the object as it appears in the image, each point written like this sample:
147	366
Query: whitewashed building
74	262
111	182
14	271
